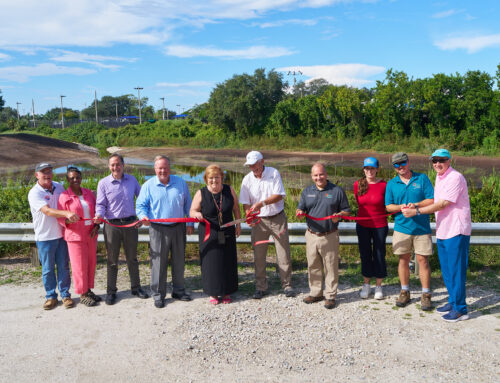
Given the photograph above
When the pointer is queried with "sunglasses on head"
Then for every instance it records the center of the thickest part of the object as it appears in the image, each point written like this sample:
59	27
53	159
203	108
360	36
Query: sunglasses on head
440	160
400	164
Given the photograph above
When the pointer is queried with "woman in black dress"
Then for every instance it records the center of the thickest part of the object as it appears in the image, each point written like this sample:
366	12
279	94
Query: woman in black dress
218	204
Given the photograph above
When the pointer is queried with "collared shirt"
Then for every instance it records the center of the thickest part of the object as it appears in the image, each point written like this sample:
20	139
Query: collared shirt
46	228
454	219
418	188
255	189
321	203
115	197
157	200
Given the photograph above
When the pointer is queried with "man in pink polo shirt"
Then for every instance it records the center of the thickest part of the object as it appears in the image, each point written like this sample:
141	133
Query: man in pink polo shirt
453	229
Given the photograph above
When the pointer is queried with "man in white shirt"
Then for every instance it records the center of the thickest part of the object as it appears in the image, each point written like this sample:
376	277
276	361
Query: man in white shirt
52	249
262	190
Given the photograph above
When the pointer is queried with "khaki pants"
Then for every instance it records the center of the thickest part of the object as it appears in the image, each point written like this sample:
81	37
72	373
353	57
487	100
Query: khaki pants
277	227
323	253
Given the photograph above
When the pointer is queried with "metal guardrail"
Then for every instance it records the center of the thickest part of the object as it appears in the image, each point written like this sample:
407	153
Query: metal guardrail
482	233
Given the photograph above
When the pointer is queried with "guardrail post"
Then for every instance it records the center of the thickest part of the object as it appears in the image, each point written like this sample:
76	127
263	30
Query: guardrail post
35	261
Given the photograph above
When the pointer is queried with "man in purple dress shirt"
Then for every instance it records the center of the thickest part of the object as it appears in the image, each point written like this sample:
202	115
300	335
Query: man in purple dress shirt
115	203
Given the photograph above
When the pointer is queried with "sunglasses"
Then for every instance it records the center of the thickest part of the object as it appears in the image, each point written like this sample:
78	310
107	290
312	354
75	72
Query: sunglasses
440	160
400	164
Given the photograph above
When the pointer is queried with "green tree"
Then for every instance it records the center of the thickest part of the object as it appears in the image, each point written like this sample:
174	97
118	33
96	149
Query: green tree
2	101
244	103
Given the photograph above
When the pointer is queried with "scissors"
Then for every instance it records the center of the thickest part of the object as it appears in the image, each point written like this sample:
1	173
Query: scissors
251	218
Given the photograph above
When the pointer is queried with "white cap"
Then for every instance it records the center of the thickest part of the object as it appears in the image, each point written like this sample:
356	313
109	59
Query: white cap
253	157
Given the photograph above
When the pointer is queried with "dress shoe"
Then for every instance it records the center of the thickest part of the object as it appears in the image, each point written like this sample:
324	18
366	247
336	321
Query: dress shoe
140	293
310	299
110	299
182	297
160	303
329	304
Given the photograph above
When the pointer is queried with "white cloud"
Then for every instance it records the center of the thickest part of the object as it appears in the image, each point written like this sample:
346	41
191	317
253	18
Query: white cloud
23	73
357	75
96	60
470	44
254	52
280	23
4	57
444	14
190	84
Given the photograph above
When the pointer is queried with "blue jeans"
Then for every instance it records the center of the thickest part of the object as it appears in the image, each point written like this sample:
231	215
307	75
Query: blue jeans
454	259
51	254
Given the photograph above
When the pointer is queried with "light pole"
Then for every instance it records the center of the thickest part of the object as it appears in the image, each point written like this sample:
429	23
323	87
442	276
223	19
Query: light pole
17	104
163	114
95	107
33	111
178	109
139	99
62	111
116	109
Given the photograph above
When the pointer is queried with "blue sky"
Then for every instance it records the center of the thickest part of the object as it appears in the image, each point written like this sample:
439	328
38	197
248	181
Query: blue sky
181	49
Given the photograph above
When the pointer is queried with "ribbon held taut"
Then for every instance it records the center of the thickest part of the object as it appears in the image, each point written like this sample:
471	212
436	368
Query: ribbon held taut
348	217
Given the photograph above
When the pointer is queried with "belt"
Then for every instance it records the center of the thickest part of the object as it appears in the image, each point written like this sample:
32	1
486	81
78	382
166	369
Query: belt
123	220
319	234
272	216
166	224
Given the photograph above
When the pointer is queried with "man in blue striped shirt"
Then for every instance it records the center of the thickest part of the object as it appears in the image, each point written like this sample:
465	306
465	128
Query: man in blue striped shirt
165	196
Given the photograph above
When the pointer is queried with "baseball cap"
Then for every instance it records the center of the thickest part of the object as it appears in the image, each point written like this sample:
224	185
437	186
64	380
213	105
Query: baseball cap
399	157
253	157
441	153
43	165
370	161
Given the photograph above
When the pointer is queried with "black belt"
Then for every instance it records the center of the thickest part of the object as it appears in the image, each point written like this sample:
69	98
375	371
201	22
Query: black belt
272	216
322	234
123	220
167	224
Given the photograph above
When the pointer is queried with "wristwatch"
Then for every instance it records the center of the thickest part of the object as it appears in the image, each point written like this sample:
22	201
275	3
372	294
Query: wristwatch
418	211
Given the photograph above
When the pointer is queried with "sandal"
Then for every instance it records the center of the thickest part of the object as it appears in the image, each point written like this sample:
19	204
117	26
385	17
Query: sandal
226	300
214	301
95	297
87	300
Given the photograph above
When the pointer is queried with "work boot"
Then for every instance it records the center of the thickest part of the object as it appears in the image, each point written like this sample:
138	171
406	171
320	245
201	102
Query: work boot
425	302
404	298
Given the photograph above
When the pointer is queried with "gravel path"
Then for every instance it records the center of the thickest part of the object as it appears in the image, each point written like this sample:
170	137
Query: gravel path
272	340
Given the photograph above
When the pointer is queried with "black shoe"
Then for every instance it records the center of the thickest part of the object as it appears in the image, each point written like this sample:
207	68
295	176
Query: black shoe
95	297
182	297
290	292
140	293
110	299
259	294
160	303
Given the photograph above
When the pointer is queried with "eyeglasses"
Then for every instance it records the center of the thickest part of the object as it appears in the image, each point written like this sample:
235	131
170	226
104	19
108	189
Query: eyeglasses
440	160
400	164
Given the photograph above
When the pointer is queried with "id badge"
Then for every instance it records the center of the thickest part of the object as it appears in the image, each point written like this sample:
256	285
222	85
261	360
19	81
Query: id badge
221	238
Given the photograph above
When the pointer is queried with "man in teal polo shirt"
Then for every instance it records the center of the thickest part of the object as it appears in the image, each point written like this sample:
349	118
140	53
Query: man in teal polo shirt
410	189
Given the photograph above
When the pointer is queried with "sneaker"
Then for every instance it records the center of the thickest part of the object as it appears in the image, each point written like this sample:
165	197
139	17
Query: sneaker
454	316
365	291
68	302
50	304
425	302
95	297
160	303
310	299
289	292
445	308
259	294
404	298
379	294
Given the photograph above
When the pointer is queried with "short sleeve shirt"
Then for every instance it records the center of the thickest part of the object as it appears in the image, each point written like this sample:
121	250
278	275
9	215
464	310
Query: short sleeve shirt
454	219
46	228
255	189
418	188
321	203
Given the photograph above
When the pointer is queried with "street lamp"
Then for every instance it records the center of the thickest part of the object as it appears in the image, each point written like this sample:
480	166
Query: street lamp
163	114
62	112
139	98
17	104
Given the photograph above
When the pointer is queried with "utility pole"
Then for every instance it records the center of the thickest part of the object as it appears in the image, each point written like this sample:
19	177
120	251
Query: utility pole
163	114
295	73
139	99
178	109
62	112
95	105
33	112
116	108
17	104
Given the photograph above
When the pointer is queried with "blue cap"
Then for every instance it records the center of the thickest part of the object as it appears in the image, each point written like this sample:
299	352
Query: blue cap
370	161
441	153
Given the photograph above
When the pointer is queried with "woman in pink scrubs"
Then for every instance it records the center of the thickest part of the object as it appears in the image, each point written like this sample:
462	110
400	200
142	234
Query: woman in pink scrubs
81	236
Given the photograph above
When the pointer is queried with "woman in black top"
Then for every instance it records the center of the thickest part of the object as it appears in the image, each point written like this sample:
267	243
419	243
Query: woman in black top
218	204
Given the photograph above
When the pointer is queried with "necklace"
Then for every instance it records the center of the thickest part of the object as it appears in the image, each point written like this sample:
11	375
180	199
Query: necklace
218	206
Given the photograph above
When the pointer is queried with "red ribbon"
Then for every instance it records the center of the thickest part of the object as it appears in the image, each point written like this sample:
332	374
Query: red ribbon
176	220
348	217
